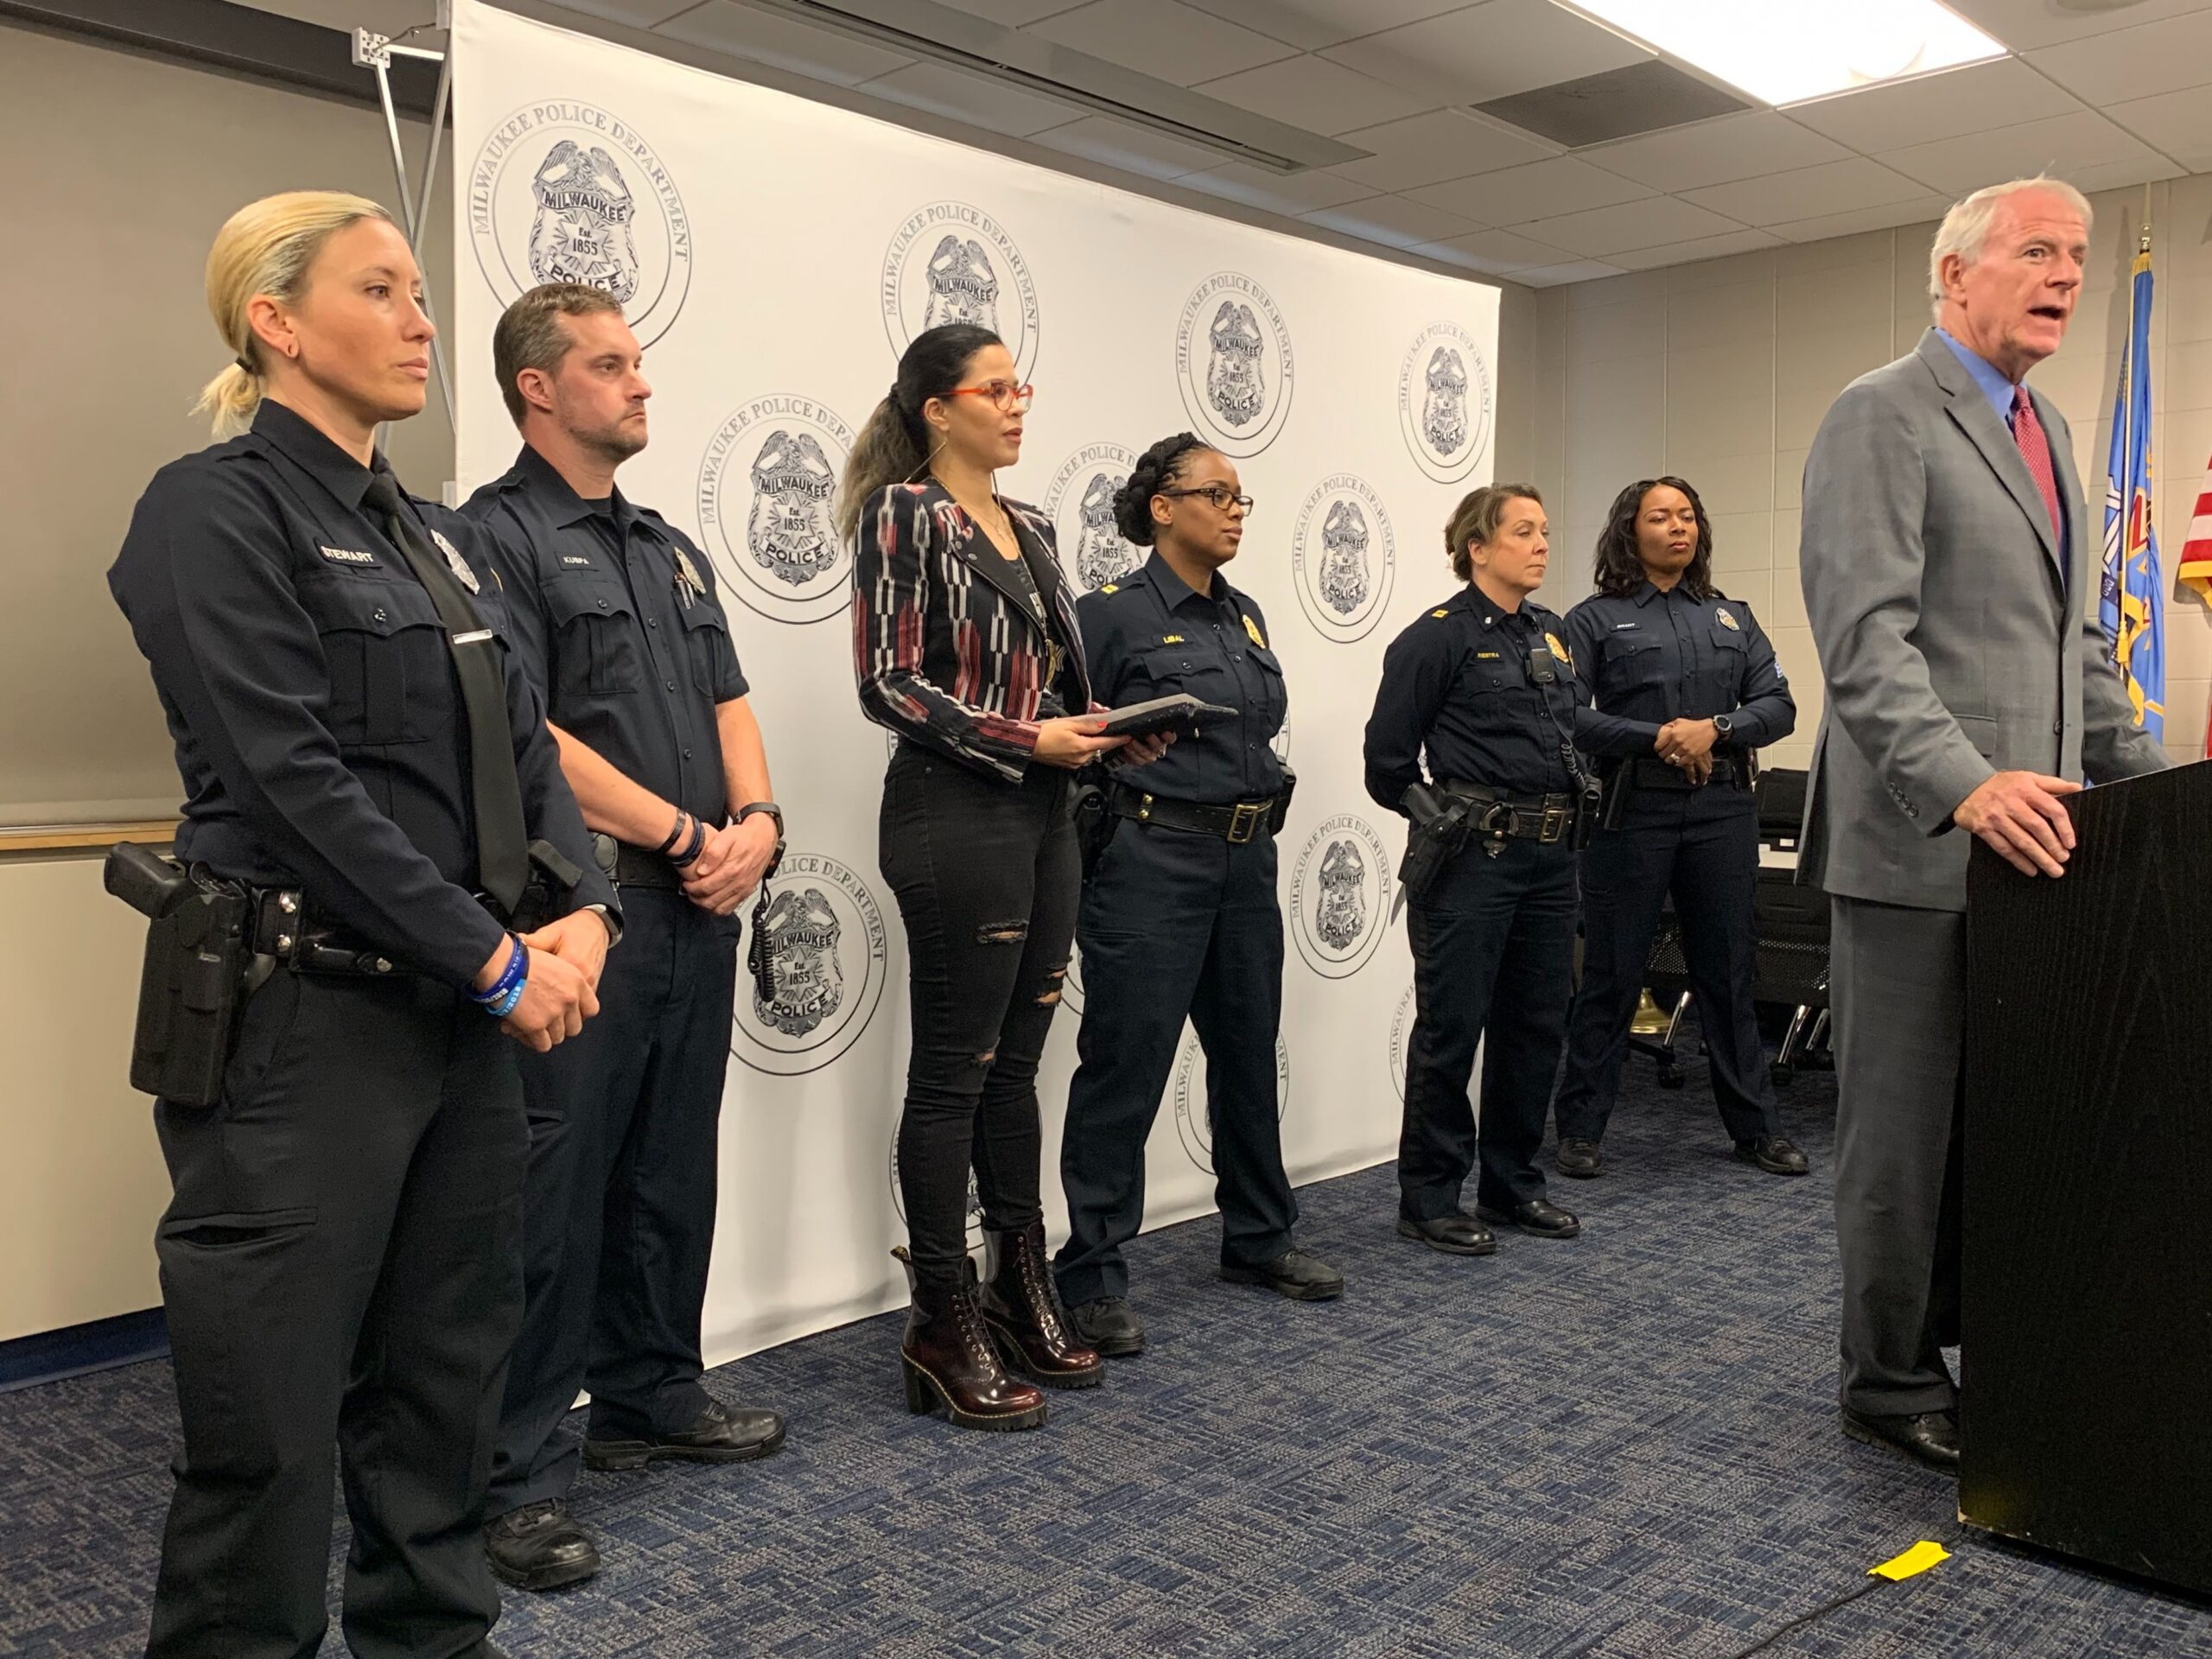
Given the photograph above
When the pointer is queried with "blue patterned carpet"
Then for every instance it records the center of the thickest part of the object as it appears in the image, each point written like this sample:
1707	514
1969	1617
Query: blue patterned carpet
1619	1447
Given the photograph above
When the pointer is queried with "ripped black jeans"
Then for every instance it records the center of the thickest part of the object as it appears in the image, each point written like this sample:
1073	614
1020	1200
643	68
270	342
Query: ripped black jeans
987	878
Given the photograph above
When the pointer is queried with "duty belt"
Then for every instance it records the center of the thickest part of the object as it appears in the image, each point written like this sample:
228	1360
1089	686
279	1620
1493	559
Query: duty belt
1544	817
1647	772
1237	824
636	867
285	929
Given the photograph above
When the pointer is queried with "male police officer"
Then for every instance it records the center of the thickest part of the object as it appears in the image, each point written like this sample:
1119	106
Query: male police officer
616	618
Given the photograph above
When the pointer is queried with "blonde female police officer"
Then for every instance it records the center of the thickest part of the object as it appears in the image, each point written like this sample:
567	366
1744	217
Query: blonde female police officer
341	1259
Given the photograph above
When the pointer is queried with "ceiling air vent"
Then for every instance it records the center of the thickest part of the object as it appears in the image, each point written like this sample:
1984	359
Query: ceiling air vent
1619	104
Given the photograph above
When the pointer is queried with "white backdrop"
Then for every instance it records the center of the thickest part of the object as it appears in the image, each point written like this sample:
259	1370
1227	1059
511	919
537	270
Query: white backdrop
775	254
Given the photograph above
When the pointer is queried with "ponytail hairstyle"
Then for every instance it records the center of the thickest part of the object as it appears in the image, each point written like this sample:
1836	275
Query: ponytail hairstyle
1157	469
1619	567
895	445
1476	519
266	247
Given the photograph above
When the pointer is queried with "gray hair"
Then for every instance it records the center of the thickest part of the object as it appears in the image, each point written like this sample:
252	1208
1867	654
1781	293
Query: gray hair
1966	227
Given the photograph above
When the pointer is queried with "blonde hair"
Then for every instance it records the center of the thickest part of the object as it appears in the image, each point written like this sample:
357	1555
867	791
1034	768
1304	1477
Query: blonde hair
1965	229
266	247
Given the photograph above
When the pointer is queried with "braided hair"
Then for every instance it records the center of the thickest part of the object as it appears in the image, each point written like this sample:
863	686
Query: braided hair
1157	469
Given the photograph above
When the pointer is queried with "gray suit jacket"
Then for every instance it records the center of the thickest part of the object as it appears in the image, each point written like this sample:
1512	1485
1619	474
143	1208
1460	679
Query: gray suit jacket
1951	645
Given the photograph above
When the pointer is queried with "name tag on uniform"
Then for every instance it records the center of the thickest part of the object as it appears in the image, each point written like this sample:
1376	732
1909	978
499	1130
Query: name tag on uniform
1487	656
1171	639
347	556
575	558
1622	627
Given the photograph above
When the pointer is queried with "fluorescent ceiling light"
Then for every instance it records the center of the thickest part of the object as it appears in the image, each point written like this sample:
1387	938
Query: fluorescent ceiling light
1787	51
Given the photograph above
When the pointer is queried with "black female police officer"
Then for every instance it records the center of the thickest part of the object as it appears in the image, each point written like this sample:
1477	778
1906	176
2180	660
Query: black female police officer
1683	686
341	1258
1479	684
1180	918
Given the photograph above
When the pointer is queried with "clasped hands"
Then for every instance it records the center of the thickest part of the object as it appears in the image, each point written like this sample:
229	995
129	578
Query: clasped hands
1688	744
562	990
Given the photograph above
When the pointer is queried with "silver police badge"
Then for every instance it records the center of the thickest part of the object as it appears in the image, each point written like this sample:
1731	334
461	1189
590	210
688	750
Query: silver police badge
1235	384
1343	557
963	286
454	563
802	930
789	533
1444	416
1342	915
1726	618
581	233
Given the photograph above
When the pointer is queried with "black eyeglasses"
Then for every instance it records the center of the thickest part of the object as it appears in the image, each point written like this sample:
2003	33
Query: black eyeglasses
1220	495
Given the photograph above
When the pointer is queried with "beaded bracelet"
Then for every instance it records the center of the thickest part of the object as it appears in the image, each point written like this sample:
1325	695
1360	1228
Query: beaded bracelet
505	992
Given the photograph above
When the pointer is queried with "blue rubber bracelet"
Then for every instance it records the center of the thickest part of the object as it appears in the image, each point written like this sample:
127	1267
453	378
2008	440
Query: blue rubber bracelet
507	1004
508	987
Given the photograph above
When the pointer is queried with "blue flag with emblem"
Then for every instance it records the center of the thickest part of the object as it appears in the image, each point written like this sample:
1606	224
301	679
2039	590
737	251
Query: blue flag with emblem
2132	601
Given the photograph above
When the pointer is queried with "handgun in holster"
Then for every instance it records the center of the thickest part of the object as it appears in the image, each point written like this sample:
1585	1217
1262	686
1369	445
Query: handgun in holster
1281	814
198	969
550	892
1439	830
1094	823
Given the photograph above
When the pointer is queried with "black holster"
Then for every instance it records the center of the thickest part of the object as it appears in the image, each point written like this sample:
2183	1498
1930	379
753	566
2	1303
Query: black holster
1440	831
192	987
550	892
1094	820
1281	816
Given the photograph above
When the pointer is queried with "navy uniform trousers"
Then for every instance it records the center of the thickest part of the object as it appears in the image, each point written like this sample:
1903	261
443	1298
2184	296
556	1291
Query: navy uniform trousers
619	1211
1493	945
1702	845
341	1259
1174	924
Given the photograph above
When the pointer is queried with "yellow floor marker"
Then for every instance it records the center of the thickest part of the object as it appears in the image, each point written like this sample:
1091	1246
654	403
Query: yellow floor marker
1922	1556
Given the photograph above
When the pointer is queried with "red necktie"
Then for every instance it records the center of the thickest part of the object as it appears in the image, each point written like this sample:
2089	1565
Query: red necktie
2035	449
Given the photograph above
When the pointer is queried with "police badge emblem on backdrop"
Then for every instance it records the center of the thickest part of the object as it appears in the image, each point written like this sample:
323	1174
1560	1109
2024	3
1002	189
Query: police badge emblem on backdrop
826	966
1234	363
765	488
1343	557
1340	896
565	192
1444	407
1080	504
1194	1105
1402	1032
952	262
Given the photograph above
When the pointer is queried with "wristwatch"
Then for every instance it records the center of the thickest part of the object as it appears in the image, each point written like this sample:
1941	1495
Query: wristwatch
774	811
1725	725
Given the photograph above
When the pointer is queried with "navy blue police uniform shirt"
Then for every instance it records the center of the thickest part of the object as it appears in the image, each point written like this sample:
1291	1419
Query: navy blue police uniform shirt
1648	656
1455	685
310	691
617	619
1151	635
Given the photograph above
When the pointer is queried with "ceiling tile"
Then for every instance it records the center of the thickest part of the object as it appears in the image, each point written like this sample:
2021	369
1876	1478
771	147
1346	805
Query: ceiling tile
1313	93
1643	223
2139	62
1442	144
1277	192
1920	210
1392	220
2025	24
1706	247
1972	99
1160	38
1496	252
1012	13
2115	175
2180	123
762	37
1833	187
1127	145
977	100
1714	152
2065	144
1540	190
1578	270
1487	51
1311	25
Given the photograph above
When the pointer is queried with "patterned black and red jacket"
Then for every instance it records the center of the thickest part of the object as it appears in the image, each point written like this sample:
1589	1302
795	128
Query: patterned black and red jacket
948	650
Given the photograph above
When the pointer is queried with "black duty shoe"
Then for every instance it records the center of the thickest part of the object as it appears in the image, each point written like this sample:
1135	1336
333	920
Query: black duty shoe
1457	1234
721	1433
1773	1154
1929	1437
1294	1274
1538	1217
1579	1157
540	1546
1109	1326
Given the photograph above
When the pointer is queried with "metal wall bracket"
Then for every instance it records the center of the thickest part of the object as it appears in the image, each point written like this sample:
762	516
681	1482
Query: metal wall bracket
376	53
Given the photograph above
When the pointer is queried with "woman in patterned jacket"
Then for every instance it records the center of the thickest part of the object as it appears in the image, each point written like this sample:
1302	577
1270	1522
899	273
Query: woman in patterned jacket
965	646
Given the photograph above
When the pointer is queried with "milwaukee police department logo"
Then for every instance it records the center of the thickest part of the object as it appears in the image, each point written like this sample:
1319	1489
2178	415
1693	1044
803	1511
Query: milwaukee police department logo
1401	1033
1444	401
1234	363
825	938
765	487
950	262
1080	504
1194	1101
1340	896
565	192
1344	556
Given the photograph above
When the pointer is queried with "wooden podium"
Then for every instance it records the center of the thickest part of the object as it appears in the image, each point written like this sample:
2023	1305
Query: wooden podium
2086	1292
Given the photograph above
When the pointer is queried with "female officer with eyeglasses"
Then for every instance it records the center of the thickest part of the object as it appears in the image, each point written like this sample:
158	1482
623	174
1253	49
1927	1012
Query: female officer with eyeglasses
1178	918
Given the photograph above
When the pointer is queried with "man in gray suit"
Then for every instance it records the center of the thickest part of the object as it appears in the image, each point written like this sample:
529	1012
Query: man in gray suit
1947	563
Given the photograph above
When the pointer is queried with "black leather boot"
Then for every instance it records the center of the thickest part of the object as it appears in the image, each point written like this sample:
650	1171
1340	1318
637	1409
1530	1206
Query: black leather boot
1019	1304
948	1359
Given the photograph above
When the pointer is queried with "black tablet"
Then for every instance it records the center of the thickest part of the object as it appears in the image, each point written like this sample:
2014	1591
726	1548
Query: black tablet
1180	713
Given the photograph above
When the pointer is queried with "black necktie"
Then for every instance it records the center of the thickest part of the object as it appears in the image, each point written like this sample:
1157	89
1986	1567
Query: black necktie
502	840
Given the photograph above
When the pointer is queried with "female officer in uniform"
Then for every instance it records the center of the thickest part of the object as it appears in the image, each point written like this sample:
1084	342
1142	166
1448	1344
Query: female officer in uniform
1179	916
341	1259
1683	686
1479	683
